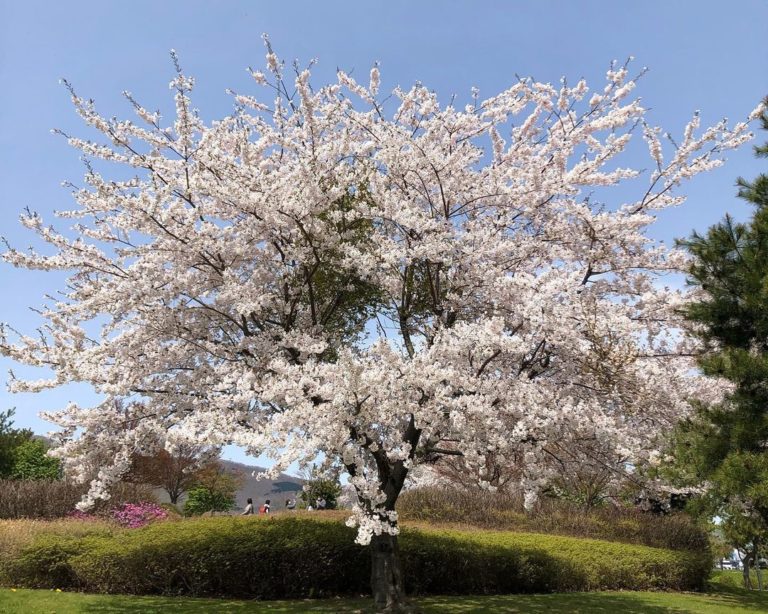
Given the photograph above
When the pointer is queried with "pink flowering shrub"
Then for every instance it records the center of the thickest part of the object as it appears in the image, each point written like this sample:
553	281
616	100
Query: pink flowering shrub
135	515
128	515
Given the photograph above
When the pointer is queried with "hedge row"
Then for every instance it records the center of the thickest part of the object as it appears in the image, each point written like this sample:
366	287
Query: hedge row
57	498
299	556
505	511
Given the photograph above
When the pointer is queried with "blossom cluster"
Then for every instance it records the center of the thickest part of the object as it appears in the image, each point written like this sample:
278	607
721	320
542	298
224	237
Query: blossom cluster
136	515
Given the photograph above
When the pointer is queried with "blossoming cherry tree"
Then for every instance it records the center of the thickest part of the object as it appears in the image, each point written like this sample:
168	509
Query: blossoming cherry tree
374	282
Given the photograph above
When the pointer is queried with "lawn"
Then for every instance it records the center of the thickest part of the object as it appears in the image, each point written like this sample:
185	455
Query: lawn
723	598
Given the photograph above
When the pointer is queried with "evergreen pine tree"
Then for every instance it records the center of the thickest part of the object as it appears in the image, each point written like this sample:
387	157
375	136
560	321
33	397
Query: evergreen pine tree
725	446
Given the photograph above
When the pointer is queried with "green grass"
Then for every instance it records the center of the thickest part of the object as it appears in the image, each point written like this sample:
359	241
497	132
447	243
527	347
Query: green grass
724	598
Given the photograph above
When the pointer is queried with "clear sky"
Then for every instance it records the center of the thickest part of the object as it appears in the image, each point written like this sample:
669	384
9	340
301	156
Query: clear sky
702	54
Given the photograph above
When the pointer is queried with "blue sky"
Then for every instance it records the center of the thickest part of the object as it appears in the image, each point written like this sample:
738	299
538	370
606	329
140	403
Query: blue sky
704	55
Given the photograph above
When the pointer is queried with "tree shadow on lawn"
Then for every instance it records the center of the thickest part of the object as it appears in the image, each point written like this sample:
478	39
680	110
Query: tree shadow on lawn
566	603
742	598
602	603
187	605
570	603
575	603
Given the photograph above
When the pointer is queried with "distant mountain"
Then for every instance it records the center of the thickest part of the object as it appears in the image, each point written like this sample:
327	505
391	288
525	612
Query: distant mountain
277	491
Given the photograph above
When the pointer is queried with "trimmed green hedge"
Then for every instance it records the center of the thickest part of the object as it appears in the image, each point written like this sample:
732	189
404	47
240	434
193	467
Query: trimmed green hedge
297	556
500	511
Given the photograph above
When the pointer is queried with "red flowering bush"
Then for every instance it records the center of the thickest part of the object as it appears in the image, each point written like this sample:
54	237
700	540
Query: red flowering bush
135	515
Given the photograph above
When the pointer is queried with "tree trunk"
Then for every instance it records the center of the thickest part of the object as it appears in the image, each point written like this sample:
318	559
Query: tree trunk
747	579
386	574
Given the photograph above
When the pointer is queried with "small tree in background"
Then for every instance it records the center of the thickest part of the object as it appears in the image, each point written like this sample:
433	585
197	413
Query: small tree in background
21	456
175	472
318	485
10	439
214	490
589	474
31	462
201	500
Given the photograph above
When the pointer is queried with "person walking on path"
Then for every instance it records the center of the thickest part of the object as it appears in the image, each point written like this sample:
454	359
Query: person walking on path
248	511
264	509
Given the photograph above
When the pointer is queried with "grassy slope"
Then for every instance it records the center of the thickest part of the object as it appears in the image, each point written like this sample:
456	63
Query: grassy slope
723	599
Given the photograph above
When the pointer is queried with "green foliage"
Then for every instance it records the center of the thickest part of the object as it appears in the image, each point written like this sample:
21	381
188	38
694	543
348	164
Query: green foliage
21	457
296	556
214	492
31	463
338	298
10	439
327	488
202	499
726	444
46	563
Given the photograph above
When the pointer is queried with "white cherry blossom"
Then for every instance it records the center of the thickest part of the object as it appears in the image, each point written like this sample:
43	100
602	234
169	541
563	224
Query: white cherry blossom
328	273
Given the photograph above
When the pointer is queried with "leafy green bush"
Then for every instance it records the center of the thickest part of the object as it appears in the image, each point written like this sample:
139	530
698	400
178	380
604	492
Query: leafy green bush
10	439
325	488
201	500
46	563
214	490
319	485
17	536
31	462
296	556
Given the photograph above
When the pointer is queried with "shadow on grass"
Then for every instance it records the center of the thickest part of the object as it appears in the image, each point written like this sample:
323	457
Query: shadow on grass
742	598
602	603
26	601
576	603
725	601
729	587
164	605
